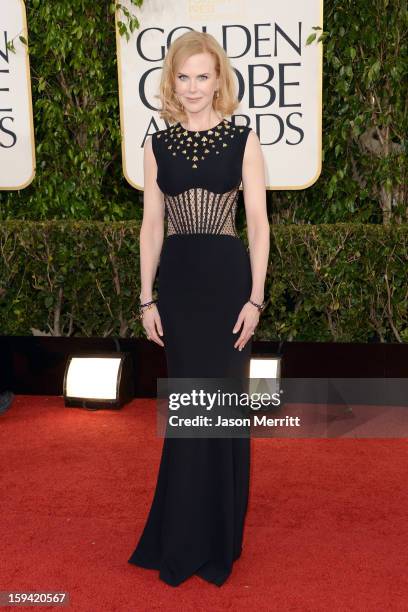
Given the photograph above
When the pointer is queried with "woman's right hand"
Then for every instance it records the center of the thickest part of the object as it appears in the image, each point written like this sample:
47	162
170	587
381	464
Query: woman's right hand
152	324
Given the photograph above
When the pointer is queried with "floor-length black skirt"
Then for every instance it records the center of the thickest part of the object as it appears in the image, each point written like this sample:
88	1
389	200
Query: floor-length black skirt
196	520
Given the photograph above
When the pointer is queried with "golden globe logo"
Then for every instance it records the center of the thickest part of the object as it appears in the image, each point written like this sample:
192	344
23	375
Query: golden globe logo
278	78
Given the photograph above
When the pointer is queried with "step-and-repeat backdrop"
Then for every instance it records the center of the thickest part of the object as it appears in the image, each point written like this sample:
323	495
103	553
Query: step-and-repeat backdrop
278	76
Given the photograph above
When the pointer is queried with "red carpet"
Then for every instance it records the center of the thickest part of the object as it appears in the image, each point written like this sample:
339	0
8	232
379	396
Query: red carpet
326	528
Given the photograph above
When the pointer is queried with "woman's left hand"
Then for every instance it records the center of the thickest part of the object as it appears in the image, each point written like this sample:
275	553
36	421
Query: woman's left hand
249	316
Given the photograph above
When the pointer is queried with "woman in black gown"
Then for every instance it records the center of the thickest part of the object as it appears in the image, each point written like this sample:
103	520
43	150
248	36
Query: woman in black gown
210	295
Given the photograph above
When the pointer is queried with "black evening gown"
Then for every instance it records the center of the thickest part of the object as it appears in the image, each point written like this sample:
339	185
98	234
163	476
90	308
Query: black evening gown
196	520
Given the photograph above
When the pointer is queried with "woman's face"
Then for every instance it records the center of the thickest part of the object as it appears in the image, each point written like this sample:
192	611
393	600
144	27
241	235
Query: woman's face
196	82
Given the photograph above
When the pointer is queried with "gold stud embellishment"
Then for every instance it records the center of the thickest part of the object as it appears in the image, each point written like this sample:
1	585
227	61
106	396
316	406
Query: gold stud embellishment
198	144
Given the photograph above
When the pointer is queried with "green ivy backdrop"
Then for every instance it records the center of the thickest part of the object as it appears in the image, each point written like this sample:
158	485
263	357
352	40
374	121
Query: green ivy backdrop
79	179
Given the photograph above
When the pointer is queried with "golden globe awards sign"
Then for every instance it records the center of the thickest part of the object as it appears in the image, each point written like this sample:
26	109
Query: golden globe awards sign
17	151
278	78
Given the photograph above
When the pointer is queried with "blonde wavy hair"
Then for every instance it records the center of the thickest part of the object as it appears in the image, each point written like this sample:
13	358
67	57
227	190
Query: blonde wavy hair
182	48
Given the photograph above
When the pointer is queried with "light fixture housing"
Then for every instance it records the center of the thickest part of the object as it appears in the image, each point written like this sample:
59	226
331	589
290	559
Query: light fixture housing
98	380
265	376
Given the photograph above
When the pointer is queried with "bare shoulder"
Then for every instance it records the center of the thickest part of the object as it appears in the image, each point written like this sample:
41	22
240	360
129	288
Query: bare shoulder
253	146
253	138
148	142
253	166
148	149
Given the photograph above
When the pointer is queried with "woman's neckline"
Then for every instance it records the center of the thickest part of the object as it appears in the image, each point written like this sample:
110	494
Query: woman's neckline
202	131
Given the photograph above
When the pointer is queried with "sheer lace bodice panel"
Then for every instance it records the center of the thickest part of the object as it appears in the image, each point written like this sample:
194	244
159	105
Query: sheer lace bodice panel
200	211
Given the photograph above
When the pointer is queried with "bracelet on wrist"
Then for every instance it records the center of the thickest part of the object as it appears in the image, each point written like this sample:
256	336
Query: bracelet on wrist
145	306
260	307
147	302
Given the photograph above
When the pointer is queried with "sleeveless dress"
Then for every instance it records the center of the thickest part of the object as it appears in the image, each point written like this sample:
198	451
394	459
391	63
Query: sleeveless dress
196	520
